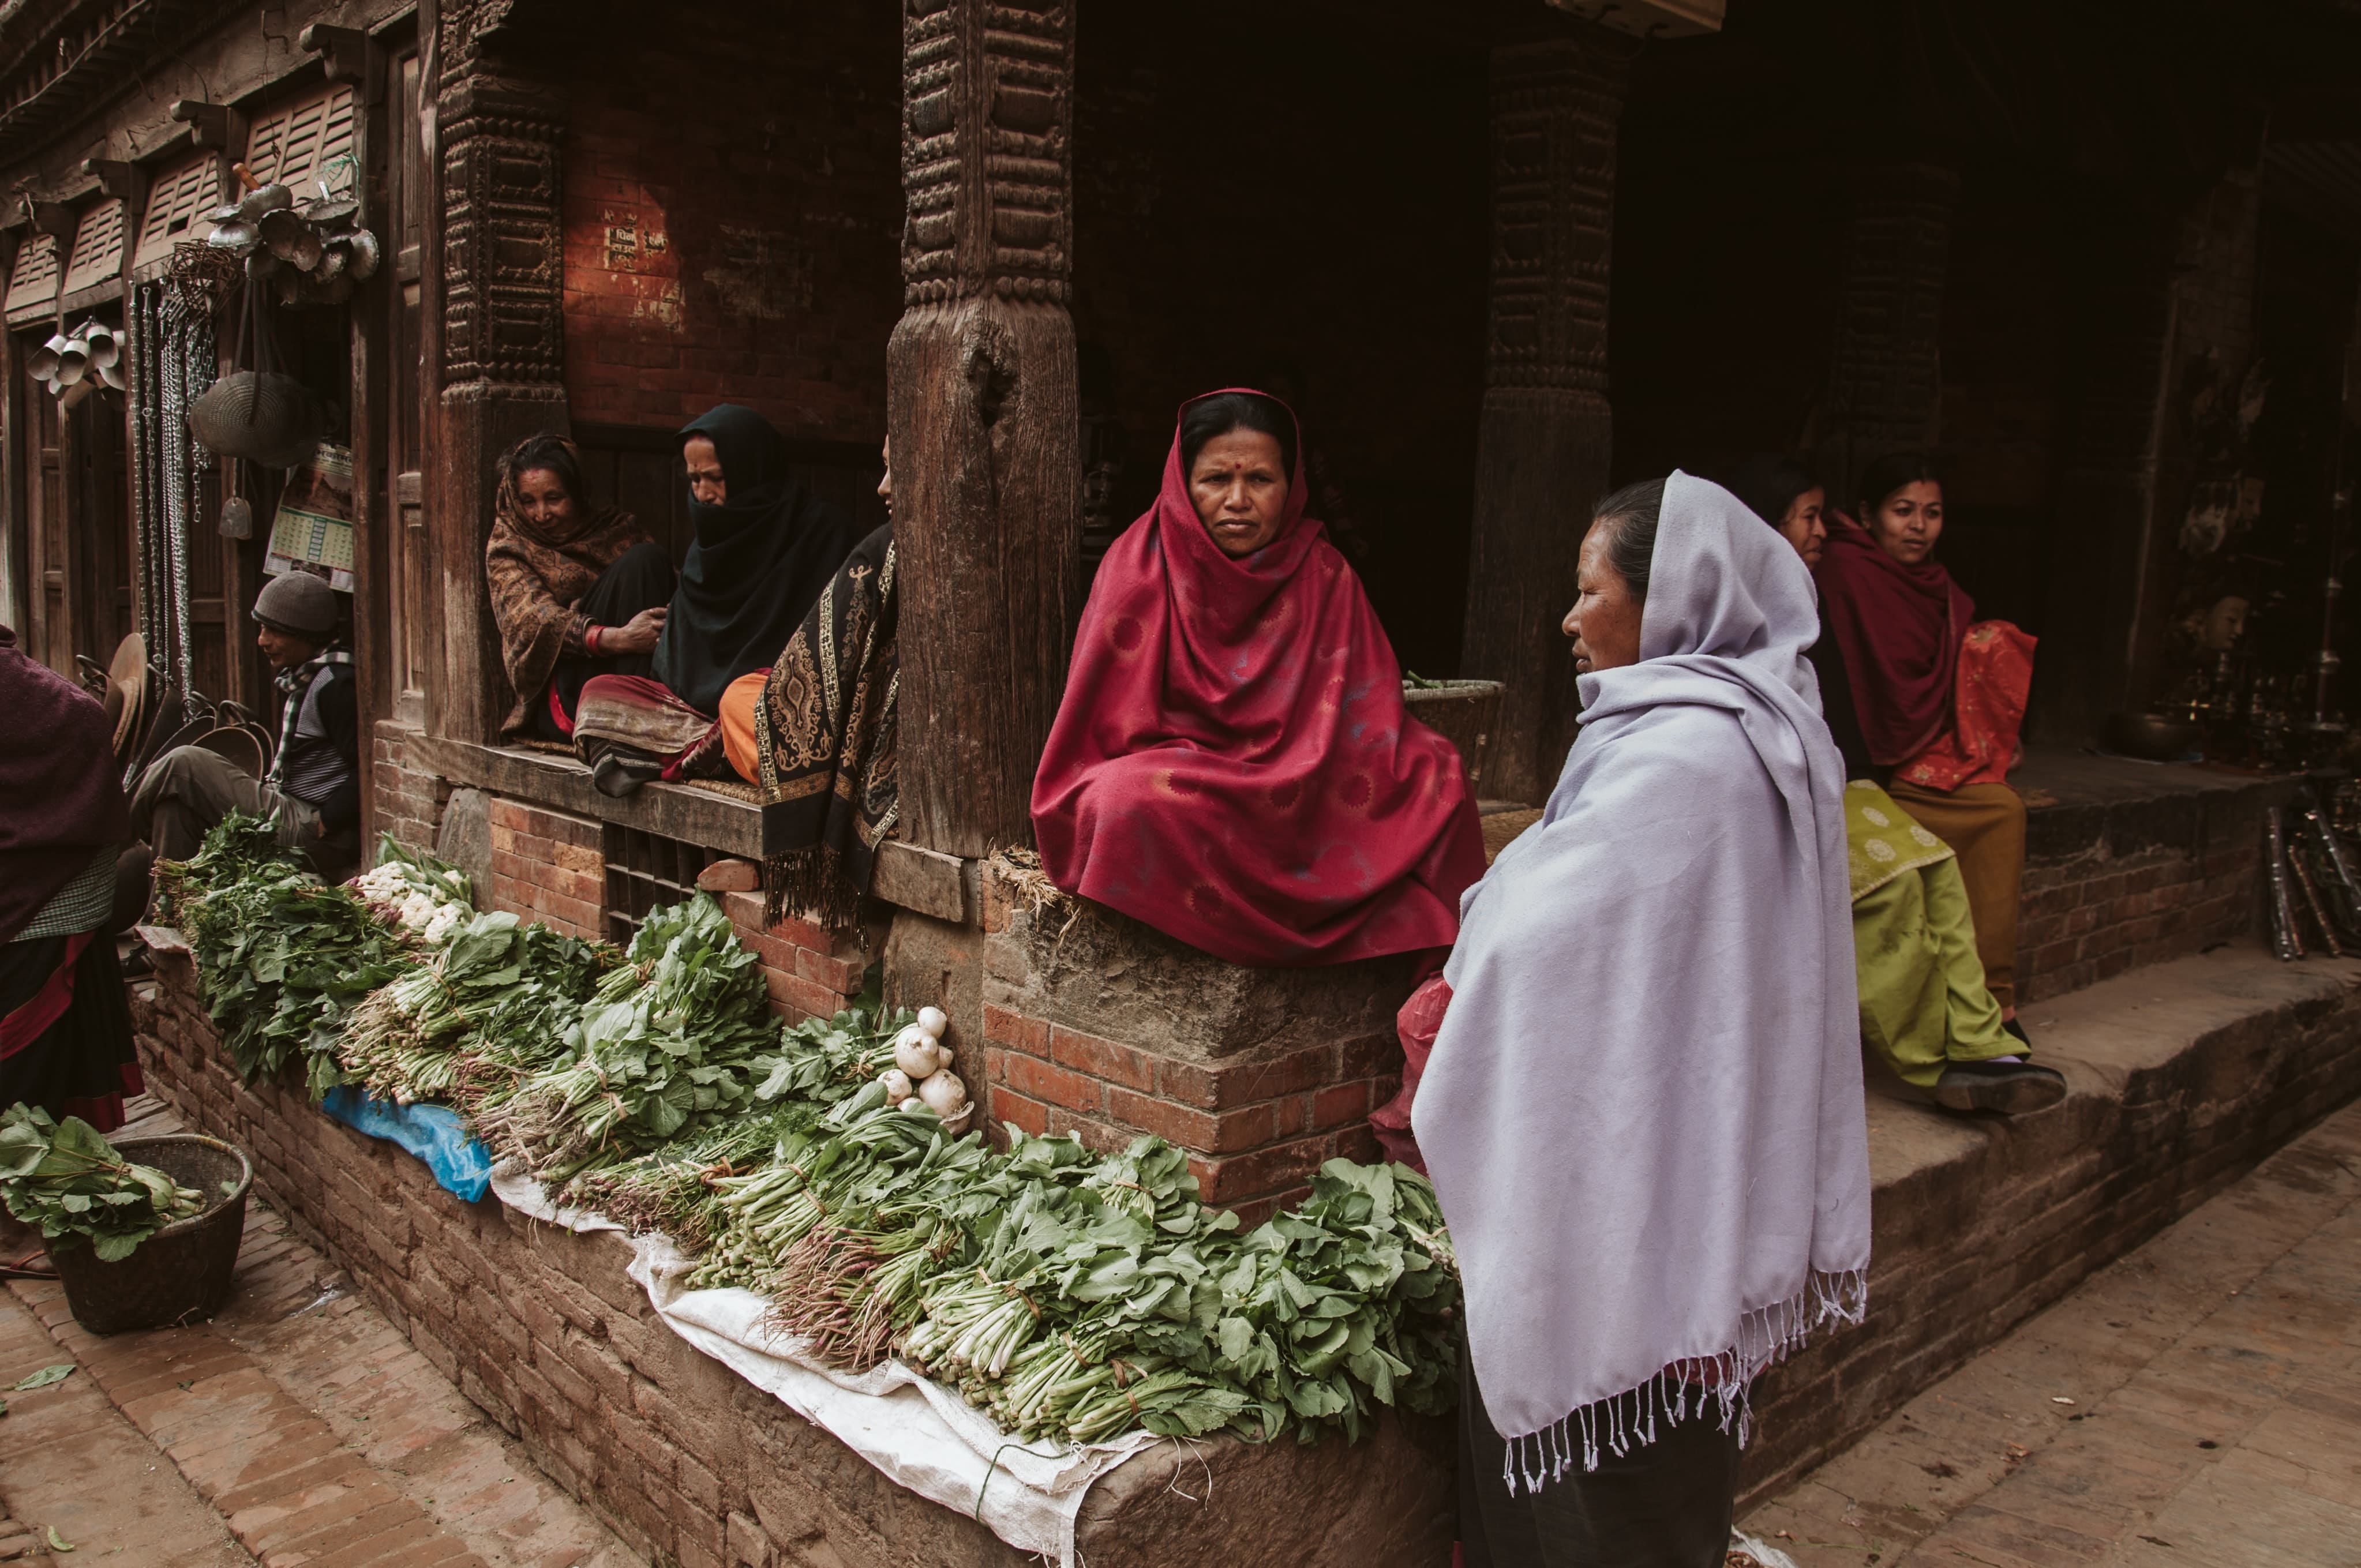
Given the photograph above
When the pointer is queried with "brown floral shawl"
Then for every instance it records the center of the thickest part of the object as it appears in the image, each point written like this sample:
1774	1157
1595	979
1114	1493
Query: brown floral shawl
536	580
825	732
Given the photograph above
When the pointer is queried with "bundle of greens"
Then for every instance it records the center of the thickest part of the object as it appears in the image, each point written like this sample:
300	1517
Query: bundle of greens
283	959
492	1006
679	1033
417	892
64	1177
1348	1297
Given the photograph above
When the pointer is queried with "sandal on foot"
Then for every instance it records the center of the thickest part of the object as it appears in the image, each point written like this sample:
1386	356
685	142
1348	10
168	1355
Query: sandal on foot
34	1264
2013	1088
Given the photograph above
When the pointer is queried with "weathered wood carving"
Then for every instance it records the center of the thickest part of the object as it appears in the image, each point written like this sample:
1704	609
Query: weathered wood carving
983	411
1543	454
1885	368
499	326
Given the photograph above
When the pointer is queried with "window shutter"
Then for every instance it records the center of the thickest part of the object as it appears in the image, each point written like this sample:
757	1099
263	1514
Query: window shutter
176	204
292	146
97	248
33	281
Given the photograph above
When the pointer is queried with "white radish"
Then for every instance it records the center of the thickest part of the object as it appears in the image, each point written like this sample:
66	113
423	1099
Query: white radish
915	1053
897	1083
933	1021
945	1095
913	1104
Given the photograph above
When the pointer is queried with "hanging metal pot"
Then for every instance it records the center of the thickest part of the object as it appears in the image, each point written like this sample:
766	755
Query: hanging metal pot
331	264
307	252
237	236
364	248
111	374
265	199
105	346
43	362
74	362
330	212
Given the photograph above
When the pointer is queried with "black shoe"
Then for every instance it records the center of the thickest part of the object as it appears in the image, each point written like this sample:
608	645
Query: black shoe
622	775
2011	1025
2012	1088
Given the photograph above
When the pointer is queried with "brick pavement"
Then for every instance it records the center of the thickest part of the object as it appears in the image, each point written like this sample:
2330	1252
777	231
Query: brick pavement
302	1430
2198	1403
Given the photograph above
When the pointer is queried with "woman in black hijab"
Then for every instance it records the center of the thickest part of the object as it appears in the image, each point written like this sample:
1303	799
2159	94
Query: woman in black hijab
765	546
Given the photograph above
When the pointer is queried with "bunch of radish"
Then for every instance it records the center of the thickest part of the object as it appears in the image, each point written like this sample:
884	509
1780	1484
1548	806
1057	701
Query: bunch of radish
921	1076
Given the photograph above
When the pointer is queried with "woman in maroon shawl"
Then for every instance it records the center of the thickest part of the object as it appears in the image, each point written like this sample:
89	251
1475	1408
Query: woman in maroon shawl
1232	763
1938	695
65	1029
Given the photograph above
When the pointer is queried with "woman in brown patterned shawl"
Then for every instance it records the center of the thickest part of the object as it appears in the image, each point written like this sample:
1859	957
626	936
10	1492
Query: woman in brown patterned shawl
576	593
816	732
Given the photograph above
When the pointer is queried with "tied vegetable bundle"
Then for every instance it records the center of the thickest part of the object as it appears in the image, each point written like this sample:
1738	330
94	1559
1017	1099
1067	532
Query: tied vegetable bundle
66	1178
422	895
488	1012
283	958
679	1033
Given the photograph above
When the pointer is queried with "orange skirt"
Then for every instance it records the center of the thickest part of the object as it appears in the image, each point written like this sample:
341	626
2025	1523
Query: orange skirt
739	700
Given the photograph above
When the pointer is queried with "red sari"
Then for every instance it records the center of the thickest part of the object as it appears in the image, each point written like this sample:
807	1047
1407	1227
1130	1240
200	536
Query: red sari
1232	763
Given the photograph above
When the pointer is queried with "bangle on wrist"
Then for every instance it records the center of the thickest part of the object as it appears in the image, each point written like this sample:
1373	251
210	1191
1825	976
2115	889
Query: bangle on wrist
590	639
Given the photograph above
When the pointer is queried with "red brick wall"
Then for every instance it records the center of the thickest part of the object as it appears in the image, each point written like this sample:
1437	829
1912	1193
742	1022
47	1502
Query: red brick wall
2087	920
1255	1131
547	866
734	215
810	974
404	802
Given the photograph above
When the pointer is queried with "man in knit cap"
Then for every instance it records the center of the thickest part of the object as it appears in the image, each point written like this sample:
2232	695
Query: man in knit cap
313	786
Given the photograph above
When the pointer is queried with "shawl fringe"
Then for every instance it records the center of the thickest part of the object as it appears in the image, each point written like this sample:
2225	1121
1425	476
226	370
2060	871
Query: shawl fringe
1624	1421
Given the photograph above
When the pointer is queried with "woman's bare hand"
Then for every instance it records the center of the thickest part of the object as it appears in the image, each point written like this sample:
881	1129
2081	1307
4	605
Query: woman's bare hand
637	635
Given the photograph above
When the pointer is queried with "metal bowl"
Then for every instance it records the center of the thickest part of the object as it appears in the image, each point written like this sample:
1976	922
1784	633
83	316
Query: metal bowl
2151	736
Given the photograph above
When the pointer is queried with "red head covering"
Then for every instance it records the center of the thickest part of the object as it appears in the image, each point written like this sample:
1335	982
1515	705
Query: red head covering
1232	763
60	800
1899	628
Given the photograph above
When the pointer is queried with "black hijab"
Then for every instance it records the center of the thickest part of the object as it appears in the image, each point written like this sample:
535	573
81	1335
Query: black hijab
758	562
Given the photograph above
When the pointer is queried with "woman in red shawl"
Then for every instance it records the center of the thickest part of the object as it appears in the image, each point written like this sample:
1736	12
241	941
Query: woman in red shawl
65	1029
1232	763
1939	694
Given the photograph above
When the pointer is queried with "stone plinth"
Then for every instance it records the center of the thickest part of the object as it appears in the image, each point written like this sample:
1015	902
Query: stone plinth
1098	1025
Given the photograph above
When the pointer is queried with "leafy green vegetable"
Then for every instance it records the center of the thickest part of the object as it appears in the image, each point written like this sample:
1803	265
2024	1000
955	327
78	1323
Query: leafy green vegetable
283	959
681	1032
64	1177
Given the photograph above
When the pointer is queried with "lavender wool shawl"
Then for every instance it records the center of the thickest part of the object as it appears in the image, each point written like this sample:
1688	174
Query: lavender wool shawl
1643	1114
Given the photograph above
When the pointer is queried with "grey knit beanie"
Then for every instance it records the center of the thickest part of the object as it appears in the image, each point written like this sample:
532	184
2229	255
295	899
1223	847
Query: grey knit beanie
299	604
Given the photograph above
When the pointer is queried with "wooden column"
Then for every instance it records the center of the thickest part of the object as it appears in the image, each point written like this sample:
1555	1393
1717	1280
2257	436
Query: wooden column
982	412
1543	454
499	334
1886	368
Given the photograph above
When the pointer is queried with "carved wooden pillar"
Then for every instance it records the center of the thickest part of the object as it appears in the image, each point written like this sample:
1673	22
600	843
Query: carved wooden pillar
1885	371
499	331
1542	458
982	412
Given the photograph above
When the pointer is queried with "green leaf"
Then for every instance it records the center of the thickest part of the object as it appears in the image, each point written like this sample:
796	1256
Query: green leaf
44	1378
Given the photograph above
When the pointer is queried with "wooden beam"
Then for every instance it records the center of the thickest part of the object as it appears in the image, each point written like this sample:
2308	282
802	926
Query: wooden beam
1650	18
52	218
342	52
116	179
208	124
982	412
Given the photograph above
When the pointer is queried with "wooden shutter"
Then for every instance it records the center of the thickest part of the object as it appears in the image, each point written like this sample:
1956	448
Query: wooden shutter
176	207
33	281
97	248
292	146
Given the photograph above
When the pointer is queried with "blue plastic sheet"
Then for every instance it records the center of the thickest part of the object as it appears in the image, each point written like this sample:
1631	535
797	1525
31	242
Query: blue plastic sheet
432	1132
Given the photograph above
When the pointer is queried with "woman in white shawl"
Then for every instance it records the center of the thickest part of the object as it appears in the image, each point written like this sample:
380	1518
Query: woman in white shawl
1643	1113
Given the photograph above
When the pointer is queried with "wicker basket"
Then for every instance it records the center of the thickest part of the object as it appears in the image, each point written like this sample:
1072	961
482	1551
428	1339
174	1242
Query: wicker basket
1462	712
184	1271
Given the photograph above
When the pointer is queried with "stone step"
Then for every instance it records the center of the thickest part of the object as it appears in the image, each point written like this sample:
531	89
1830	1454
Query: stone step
2182	1076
